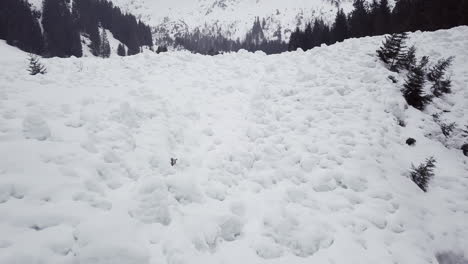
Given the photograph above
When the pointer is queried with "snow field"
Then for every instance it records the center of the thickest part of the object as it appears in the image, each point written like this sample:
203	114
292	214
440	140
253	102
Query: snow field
291	158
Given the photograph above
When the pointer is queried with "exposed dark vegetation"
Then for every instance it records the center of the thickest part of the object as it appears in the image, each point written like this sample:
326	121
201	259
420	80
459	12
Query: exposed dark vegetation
422	174
60	36
378	19
366	19
35	66
398	57
215	44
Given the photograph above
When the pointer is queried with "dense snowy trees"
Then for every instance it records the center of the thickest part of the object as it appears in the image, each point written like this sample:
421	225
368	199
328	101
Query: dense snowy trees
397	57
213	44
92	14
64	21
19	26
121	50
378	18
61	33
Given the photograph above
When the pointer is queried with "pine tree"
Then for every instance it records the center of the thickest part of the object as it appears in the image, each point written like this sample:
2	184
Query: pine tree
308	38
414	84
19	26
35	66
340	30
391	49
438	71
60	29
436	76
359	20
442	87
422	174
95	45
406	60
382	18
294	40
121	50
105	47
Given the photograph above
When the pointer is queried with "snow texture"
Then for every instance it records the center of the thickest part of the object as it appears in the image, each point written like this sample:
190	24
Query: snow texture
290	158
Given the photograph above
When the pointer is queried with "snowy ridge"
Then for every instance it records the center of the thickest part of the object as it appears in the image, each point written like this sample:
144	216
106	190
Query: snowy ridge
290	158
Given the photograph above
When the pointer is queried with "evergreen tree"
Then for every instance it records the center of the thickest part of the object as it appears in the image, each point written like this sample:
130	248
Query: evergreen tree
86	17
61	33
422	174
308	38
19	26
359	20
340	29
393	46
414	85
35	66
105	47
436	76
320	33
121	50
96	44
406	60
279	34
295	40
382	18
438	70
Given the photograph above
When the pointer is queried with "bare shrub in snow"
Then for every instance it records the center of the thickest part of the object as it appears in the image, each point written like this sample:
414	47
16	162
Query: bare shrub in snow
422	174
447	129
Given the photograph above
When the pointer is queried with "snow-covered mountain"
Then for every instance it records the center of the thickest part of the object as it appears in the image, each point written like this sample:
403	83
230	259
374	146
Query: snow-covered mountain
292	158
232	18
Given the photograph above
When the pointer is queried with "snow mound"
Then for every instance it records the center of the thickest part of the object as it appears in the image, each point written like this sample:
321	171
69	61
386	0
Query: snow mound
292	158
35	127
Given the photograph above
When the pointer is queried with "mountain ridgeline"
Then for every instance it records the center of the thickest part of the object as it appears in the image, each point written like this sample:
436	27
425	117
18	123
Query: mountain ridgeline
213	44
63	23
69	25
366	19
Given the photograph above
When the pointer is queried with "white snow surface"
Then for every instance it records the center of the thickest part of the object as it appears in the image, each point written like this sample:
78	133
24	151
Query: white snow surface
290	158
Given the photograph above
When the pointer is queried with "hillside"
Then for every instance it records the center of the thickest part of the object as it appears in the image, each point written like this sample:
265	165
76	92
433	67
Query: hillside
231	18
290	158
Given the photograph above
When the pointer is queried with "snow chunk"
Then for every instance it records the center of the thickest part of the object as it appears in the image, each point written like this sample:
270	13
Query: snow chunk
267	249
34	127
231	228
122	247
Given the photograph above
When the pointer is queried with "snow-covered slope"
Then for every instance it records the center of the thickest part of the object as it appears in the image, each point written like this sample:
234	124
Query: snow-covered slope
291	158
232	18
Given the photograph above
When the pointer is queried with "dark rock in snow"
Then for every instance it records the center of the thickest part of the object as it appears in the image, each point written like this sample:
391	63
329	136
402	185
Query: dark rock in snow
411	141
464	148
